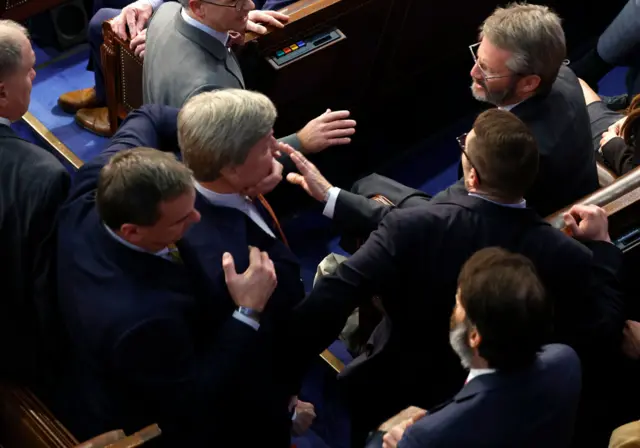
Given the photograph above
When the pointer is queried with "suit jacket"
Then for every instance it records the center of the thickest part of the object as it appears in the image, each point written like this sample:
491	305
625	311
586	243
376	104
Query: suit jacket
149	343
34	185
412	261
532	407
619	156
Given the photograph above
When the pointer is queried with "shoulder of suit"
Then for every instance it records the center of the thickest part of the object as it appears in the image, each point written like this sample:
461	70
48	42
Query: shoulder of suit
16	151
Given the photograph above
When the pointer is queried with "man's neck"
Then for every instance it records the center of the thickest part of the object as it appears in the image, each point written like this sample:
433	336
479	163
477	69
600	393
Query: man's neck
479	363
220	186
197	19
494	198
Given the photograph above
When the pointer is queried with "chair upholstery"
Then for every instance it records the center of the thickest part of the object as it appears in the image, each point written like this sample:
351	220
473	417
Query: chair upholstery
20	10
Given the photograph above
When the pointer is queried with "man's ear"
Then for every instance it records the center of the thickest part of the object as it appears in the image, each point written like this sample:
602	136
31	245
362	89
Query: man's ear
130	232
474	338
529	83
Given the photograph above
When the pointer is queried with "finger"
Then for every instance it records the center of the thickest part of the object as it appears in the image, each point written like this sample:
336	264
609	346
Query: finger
229	267
296	179
256	28
287	149
338	133
139	50
339	141
337	115
571	223
277	168
254	256
302	163
131	23
278	15
142	54
140	23
341	124
418	415
118	26
270	20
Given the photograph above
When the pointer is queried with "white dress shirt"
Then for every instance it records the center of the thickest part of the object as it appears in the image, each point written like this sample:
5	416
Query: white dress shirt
222	37
237	201
474	373
155	3
5	121
164	253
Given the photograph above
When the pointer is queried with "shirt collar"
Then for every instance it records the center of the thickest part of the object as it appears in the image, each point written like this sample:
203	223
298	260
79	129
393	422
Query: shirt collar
5	121
234	200
521	204
124	242
473	373
222	37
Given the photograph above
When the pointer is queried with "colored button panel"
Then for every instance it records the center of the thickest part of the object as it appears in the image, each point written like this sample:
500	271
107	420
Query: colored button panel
294	47
280	53
287	50
301	44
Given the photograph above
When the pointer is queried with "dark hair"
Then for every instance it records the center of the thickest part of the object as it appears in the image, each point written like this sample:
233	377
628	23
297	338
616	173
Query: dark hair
505	153
504	299
135	182
631	125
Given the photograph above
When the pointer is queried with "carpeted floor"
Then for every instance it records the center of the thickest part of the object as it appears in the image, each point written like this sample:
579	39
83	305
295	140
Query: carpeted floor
431	166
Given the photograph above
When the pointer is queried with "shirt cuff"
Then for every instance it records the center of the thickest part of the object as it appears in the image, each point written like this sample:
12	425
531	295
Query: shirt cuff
331	202
247	320
155	3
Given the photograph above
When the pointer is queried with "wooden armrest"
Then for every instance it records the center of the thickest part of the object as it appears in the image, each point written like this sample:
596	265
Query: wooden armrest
605	176
297	11
26	422
117	439
621	194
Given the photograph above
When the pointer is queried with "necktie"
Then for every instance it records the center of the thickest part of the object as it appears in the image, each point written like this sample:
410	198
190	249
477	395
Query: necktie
174	253
274	218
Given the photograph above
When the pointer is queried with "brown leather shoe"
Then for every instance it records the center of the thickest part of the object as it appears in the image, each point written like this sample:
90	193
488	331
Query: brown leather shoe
72	102
95	120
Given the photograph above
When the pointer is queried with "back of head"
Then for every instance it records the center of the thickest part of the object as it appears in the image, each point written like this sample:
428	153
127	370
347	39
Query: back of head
218	129
135	182
504	299
505	153
534	36
12	37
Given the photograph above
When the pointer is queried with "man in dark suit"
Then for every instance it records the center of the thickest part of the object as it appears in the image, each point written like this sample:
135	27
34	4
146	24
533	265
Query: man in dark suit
518	392
422	248
226	139
150	343
518	66
34	185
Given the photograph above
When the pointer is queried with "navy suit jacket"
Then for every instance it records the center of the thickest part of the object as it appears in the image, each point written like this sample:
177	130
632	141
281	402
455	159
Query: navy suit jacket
533	407
149	344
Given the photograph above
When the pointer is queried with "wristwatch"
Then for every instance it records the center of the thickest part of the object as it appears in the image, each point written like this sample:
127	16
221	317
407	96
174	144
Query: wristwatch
250	313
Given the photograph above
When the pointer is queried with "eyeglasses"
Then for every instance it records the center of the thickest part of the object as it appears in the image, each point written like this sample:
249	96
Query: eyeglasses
462	141
487	76
237	4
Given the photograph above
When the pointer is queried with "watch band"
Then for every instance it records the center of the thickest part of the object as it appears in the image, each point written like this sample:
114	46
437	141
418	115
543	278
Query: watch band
250	313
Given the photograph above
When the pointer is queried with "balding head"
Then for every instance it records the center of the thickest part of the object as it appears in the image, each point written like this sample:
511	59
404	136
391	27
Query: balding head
16	70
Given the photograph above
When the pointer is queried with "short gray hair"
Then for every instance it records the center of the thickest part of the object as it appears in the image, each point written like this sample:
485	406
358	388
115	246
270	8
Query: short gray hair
10	47
534	34
218	129
135	182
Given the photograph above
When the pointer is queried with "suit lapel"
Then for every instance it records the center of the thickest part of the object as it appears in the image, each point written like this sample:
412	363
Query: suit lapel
212	45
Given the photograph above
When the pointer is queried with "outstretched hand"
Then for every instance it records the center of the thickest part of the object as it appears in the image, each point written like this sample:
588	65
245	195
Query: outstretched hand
309	178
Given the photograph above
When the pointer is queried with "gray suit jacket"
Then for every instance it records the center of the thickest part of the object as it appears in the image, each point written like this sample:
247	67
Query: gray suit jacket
181	61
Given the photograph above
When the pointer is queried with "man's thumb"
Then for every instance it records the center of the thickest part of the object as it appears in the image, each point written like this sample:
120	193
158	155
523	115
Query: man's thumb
295	178
228	266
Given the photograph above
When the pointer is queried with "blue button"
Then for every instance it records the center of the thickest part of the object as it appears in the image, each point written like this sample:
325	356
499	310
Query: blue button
301	44
279	53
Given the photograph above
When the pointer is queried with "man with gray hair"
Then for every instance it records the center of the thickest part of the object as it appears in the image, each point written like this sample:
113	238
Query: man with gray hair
150	341
34	185
518	66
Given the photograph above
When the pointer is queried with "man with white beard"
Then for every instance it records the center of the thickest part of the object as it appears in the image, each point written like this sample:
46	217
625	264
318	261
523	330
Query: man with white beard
519	392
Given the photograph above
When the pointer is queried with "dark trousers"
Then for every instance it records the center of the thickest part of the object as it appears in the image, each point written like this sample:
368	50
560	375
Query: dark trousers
103	10
600	118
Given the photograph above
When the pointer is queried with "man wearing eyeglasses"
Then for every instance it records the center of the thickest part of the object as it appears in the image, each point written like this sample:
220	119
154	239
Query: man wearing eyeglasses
518	65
